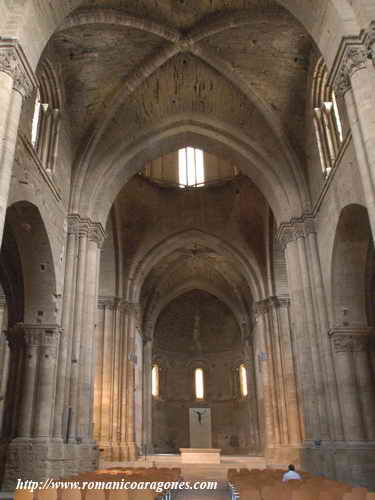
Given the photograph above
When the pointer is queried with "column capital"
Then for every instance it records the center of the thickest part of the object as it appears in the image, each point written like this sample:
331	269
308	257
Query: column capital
297	227
85	227
370	42
14	63
350	339
42	335
264	306
354	58
107	302
97	233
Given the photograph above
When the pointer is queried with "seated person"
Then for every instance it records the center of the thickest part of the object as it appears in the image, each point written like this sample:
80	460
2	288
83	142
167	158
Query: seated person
291	474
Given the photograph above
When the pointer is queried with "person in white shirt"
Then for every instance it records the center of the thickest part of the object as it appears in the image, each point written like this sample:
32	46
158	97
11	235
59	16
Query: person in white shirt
291	474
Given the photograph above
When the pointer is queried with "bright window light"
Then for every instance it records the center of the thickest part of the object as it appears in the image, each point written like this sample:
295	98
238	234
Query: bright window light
191	166
243	380
36	120
337	117
199	383
155	381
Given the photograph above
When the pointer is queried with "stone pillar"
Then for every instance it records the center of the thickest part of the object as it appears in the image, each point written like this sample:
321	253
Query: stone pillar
283	425
356	389
87	351
132	323
104	380
38	381
17	81
301	315
264	381
147	395
4	359
330	382
354	80
78	323
16	341
34	388
62	386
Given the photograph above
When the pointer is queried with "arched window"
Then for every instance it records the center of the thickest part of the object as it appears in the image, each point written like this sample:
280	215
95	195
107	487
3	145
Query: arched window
155	381
46	119
243	381
191	167
327	121
36	120
199	383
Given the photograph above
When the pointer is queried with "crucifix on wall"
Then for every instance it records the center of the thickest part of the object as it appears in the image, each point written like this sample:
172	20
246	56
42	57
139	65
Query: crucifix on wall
200	428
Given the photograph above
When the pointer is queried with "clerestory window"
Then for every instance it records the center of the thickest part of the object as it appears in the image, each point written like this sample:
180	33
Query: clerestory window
191	167
327	121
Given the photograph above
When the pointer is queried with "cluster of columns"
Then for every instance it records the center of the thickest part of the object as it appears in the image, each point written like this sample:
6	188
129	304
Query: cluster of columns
116	362
277	382
32	368
351	348
333	367
75	369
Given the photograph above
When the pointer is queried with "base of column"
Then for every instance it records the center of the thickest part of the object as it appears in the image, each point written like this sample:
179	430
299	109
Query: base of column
39	459
352	462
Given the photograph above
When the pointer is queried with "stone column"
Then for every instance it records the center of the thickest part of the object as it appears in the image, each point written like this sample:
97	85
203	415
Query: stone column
133	313
267	415
4	359
78	323
301	332
287	371
38	381
17	81
354	80
87	352
67	324
16	341
147	394
330	382
356	389
105	374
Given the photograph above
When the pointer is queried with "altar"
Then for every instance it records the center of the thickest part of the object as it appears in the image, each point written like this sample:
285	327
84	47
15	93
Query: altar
200	451
200	455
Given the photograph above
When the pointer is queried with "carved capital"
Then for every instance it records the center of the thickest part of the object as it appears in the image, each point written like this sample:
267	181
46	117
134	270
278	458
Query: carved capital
286	234
350	340
353	60
370	42
13	62
296	228
47	336
73	224
97	233
107	302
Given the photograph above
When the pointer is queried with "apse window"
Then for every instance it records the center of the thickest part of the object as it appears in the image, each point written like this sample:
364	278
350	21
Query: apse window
191	167
243	381
155	381
199	383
